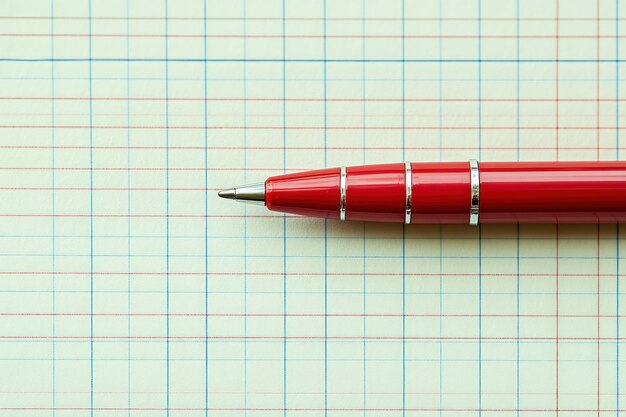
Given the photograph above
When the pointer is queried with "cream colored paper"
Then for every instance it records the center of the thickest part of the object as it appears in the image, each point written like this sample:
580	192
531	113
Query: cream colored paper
127	288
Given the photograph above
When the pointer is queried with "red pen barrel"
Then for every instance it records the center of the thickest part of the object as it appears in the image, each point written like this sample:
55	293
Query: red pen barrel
553	192
441	192
373	193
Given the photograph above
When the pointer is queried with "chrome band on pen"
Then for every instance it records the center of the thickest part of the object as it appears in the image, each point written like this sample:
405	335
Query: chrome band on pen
475	192
408	183
342	194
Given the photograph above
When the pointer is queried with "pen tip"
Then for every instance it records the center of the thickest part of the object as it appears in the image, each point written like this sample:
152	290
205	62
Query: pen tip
228	193
251	193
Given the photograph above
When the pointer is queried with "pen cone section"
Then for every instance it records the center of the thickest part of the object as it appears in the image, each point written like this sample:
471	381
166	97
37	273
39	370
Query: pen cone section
311	193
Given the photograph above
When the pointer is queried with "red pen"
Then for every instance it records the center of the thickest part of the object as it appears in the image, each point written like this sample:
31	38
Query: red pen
450	192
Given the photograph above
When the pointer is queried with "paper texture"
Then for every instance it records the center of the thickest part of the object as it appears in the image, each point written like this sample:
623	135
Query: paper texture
127	288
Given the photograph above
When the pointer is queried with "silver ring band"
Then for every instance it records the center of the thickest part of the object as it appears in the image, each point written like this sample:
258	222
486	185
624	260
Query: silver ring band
475	190
342	194
408	182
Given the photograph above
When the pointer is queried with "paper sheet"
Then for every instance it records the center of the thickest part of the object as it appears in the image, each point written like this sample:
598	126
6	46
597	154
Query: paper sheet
128	288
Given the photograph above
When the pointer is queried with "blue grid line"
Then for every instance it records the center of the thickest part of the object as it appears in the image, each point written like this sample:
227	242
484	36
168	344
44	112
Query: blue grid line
518	82
403	225
439	81
617	333
167	216
440	320
206	218
440	137
284	108
363	156
53	208
617	124
598	252
617	231
245	211
325	227
91	252
480	234
517	324
556	279
128	208
517	234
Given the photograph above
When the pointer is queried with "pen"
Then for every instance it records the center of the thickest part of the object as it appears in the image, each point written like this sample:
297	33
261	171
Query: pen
450	192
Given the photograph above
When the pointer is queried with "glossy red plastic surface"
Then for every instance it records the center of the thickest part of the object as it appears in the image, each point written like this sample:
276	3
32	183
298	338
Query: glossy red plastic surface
386	182
312	193
440	192
551	192
525	192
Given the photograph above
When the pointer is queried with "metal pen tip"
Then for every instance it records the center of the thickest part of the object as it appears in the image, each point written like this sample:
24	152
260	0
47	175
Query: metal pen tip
251	193
228	193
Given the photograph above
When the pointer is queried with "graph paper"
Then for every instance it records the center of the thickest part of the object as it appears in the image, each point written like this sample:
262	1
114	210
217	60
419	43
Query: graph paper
127	288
